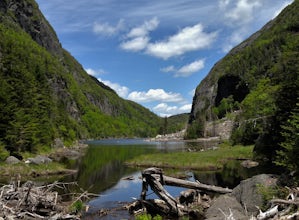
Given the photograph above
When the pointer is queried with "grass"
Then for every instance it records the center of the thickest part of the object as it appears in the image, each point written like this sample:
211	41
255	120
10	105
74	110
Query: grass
205	160
32	170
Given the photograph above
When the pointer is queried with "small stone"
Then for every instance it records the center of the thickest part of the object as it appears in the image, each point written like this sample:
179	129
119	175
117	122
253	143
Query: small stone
12	160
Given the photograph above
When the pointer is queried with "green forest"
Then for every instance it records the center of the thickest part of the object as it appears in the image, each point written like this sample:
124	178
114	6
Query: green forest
46	94
263	97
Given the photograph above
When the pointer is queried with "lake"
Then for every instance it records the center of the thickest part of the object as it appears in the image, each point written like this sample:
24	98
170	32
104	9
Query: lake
102	171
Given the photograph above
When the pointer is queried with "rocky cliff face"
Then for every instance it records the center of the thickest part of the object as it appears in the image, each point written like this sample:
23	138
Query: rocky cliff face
31	20
233	81
219	83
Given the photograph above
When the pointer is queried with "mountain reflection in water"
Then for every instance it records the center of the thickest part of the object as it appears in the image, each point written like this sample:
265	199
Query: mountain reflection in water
102	168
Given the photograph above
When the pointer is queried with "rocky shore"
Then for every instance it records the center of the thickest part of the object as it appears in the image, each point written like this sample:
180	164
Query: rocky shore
257	198
46	164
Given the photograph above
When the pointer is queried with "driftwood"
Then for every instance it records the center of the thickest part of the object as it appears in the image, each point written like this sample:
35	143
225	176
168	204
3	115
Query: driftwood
33	202
269	213
170	181
194	201
282	208
167	204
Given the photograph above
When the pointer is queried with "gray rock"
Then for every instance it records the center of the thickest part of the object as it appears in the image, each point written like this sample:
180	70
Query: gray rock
65	154
223	207
39	160
72	154
247	192
58	143
12	160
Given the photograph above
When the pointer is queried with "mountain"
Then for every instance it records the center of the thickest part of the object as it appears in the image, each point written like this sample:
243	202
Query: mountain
45	94
255	85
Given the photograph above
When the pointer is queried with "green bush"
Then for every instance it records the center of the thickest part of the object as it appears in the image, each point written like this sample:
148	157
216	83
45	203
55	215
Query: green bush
3	152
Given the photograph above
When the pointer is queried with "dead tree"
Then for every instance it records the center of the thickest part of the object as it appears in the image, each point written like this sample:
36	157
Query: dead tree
154	178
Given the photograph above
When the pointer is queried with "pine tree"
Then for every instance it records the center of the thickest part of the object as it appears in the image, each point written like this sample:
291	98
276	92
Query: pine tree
288	156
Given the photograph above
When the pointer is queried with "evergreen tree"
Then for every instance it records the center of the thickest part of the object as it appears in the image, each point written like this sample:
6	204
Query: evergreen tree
288	156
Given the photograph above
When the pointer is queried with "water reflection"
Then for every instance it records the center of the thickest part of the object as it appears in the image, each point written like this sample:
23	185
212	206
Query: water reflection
230	176
102	168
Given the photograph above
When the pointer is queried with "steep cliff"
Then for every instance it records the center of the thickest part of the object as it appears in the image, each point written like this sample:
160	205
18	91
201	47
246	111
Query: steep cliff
46	94
255	84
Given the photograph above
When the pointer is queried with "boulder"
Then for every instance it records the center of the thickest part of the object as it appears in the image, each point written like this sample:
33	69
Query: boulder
226	206
58	143
65	154
247	192
12	160
39	160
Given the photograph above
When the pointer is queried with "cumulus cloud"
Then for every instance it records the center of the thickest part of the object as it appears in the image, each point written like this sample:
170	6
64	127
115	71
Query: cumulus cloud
164	109
122	91
168	69
95	72
107	29
144	29
186	70
191	68
239	11
137	39
135	44
155	95
188	39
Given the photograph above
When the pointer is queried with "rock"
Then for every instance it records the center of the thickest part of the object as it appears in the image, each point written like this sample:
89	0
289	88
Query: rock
247	192
225	206
65	154
39	160
58	143
72	154
12	160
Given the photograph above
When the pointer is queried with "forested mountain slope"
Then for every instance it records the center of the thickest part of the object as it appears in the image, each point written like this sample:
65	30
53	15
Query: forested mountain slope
46	94
257	83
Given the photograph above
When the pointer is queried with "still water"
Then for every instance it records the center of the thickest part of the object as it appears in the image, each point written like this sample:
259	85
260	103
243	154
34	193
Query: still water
102	171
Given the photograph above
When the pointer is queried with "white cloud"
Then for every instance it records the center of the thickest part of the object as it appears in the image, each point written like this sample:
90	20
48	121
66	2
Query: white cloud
239	11
188	39
137	38
155	95
164	109
122	91
107	29
186	70
95	72
168	69
191	68
186	108
144	29
136	44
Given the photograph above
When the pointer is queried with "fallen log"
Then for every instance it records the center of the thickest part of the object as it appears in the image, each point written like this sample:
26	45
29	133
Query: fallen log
154	178
283	201
269	213
149	179
170	181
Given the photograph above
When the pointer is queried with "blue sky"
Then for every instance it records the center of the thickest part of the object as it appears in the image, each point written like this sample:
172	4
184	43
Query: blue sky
155	52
